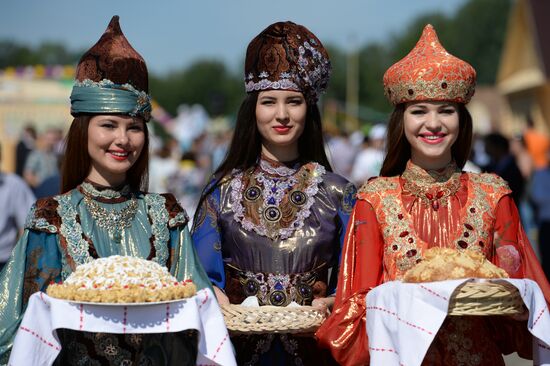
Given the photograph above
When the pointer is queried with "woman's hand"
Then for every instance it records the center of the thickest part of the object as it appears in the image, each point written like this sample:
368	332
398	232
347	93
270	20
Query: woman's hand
221	296
324	304
521	317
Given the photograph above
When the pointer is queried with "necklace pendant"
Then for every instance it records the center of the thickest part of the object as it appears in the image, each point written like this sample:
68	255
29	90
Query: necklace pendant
435	205
117	235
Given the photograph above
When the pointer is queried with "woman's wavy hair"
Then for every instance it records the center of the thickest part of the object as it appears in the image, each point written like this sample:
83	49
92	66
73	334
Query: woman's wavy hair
77	163
399	149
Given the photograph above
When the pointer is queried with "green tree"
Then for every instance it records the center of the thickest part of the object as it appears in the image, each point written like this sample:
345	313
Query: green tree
48	53
337	85
478	31
205	82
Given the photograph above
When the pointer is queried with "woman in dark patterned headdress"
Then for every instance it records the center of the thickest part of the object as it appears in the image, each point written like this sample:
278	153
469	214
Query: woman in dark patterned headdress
271	222
103	211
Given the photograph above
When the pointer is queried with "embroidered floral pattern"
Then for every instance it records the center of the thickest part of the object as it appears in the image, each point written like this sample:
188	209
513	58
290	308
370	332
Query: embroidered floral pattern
159	216
277	289
348	198
286	199
176	213
461	350
281	170
88	348
429	72
403	246
485	190
509	258
39	223
431	187
287	56
77	246
265	84
181	218
262	346
37	275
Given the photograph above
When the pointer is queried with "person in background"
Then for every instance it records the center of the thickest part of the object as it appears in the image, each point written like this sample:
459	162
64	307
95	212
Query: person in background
504	164
369	160
341	151
103	210
16	198
51	185
43	161
537	144
187	182
162	166
24	147
421	200
540	196
270	224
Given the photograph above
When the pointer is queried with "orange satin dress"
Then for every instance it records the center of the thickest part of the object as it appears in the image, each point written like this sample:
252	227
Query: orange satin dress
394	220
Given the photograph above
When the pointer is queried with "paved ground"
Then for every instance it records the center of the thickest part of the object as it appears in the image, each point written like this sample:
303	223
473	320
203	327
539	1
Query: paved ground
515	360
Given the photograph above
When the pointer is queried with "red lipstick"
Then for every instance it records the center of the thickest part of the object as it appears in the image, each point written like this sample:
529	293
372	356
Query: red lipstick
282	129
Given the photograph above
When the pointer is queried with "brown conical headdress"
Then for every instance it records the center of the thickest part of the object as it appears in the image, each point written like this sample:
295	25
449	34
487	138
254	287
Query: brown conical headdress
113	58
110	77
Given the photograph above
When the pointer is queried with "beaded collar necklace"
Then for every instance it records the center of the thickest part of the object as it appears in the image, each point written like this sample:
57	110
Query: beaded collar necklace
432	187
114	221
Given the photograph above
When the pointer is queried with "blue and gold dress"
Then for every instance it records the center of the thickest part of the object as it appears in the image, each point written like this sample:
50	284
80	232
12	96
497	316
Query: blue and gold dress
275	231
90	222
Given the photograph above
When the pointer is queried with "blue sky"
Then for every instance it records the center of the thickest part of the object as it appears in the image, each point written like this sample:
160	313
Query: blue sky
171	34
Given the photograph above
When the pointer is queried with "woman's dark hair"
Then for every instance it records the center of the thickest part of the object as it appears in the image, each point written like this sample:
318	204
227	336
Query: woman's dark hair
77	163
246	144
399	149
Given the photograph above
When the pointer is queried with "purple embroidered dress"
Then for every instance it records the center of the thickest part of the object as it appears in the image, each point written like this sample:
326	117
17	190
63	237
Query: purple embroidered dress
275	232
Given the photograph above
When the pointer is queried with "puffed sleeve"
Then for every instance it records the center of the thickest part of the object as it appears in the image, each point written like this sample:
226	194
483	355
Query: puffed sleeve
207	238
183	261
344	332
186	264
513	252
346	200
34	263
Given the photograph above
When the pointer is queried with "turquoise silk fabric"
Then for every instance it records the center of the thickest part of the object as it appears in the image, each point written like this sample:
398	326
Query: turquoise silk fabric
61	233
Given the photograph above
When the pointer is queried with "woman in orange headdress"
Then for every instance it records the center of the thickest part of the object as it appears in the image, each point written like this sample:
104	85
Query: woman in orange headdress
423	200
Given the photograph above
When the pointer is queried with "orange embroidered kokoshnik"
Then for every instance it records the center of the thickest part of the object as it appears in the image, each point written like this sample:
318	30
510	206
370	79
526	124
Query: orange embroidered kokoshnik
429	72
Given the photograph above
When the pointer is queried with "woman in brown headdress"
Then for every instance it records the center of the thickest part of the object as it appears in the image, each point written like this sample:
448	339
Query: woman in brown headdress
271	222
103	211
421	200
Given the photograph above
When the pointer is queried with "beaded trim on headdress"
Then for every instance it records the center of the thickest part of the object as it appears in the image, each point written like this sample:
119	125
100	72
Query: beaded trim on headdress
287	56
283	82
107	97
429	72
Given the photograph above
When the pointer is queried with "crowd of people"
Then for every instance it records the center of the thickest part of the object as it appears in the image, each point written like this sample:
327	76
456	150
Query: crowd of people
273	206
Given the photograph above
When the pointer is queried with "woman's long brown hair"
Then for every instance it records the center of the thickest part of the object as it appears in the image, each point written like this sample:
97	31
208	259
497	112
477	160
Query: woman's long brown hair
77	163
399	149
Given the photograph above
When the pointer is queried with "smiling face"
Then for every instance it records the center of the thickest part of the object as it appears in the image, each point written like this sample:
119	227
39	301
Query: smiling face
115	143
280	118
431	129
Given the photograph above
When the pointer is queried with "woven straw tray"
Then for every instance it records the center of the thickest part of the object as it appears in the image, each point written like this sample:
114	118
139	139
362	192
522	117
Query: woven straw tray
271	319
485	298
